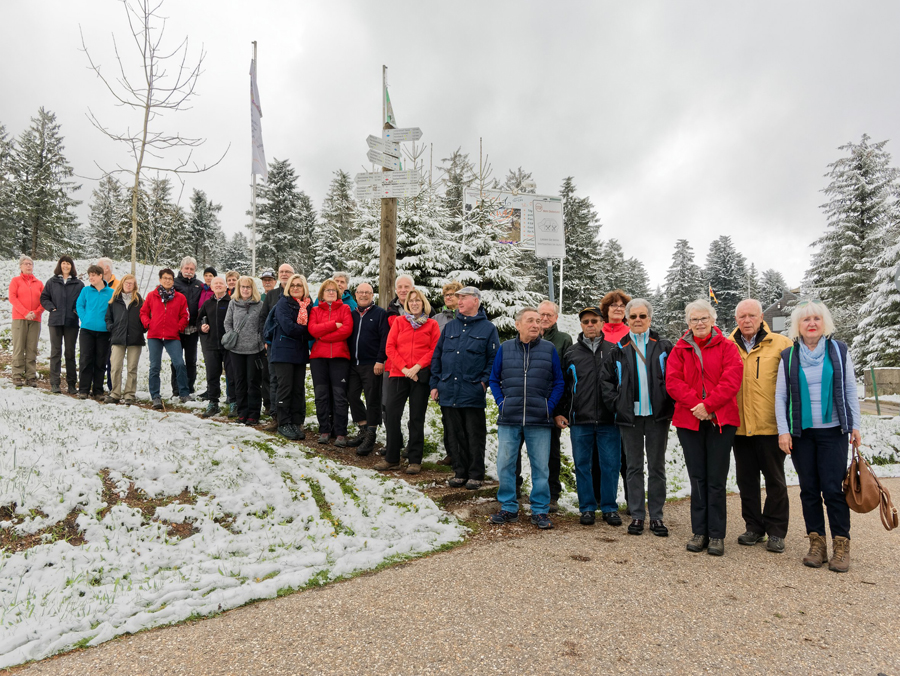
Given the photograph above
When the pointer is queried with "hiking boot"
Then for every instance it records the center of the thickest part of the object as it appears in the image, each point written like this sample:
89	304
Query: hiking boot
360	437
473	484
818	551
636	527
32	383
18	381
288	432
341	441
840	555
587	519
414	468
232	411
186	398
212	408
716	547
84	395
542	521
368	443
775	544
750	538
251	422
554	506
203	396
157	402
446	460
385	466
301	433
271	426
612	518
658	528
697	543
504	517
323	438
456	482
55	389
109	399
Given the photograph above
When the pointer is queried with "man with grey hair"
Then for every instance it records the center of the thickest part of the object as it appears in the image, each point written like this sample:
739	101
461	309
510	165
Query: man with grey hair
367	345
108	275
211	320
187	284
343	281
756	449
269	381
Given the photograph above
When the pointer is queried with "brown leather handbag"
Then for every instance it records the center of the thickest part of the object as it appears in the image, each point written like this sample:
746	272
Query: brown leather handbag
864	491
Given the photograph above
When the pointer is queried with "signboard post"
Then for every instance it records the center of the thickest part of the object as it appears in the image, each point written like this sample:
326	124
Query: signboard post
549	236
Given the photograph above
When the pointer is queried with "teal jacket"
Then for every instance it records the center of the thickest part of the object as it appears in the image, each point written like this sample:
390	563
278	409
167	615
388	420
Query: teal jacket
91	307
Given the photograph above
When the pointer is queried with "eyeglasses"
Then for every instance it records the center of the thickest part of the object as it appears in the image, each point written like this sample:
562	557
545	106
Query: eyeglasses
549	315
363	293
699	320
297	286
617	306
642	316
585	322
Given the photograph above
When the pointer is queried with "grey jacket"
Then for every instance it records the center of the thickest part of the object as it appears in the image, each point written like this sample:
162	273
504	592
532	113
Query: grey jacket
250	334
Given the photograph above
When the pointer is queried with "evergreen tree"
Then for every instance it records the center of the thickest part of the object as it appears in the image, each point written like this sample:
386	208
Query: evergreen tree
109	230
8	239
278	216
861	210
202	233
337	224
771	287
634	278
306	227
583	274
235	255
459	174
878	341
43	203
516	179
161	224
726	273
751	283
684	284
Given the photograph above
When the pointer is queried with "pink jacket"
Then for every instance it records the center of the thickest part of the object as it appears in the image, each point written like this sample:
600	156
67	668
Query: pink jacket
25	296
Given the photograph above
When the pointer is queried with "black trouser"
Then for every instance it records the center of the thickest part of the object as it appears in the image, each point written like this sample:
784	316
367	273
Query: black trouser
290	400
269	384
820	458
467	430
553	465
330	378
363	381
707	455
216	361
58	336
93	347
752	456
385	384
189	343
246	369
400	389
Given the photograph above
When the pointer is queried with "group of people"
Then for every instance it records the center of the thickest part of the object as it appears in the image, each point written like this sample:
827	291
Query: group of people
617	387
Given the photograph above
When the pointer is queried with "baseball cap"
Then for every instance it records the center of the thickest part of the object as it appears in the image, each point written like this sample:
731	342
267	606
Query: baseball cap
268	272
469	291
590	311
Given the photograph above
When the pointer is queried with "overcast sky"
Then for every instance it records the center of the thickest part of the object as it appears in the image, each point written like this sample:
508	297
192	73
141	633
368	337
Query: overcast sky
679	120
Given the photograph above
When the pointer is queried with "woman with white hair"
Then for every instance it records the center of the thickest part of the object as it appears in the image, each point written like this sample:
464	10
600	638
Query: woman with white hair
816	409
703	376
25	295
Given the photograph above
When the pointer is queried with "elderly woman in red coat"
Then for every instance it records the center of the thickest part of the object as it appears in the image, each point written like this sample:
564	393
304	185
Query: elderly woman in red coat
703	376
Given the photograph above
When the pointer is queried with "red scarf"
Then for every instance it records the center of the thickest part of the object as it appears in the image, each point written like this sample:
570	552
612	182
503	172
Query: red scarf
303	316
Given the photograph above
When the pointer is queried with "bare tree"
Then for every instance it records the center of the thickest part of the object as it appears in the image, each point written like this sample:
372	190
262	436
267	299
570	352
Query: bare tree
152	91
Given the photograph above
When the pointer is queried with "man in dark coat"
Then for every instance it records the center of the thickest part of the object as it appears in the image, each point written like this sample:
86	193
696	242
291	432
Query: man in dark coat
367	357
190	287
212	328
273	293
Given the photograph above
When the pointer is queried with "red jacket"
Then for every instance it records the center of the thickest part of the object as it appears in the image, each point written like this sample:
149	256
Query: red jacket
723	370
407	346
164	320
25	296
331	341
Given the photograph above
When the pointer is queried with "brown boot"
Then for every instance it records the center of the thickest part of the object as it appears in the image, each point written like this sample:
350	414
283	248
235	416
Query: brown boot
840	556
818	551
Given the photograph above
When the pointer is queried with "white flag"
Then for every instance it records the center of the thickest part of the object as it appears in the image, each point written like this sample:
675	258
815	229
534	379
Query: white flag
259	154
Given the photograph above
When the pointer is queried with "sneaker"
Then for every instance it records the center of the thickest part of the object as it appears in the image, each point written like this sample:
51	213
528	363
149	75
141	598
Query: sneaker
587	519
385	466
716	547
203	396
414	468
323	438
697	543
554	507
612	518
636	527
503	517
456	482
341	442
157	403
84	395
542	521
775	544
186	398
241	420
658	528
750	538
211	409
287	431
473	484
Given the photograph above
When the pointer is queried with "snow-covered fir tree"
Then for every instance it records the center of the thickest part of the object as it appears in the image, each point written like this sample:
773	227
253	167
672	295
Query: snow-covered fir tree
304	253
109	225
8	239
684	284
751	282
634	278
878	341
614	271
161	223
363	256
278	216
861	209
336	225
516	179
202	235
235	255
43	202
726	273
771	287
583	278
459	174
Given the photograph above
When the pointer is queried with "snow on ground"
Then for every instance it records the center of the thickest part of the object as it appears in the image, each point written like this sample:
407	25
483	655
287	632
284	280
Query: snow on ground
266	517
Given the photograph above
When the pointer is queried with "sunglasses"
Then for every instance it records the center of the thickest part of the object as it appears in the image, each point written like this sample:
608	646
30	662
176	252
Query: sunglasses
590	321
808	301
642	316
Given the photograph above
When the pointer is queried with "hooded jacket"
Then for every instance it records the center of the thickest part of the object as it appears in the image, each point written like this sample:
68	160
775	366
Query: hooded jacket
290	342
407	346
713	382
164	321
25	295
331	341
756	398
462	360
619	379
91	307
59	298
124	323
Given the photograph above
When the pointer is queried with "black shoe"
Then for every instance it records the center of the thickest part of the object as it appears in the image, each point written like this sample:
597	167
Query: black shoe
456	482
473	484
85	395
55	389
587	519
360	437
288	432
554	506
750	538
658	528
636	527
203	396
211	409
612	518
775	544
157	404
542	521
368	443
503	517
697	543
716	547
301	433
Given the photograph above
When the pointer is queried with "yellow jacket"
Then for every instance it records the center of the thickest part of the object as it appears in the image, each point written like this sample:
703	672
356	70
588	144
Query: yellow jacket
756	398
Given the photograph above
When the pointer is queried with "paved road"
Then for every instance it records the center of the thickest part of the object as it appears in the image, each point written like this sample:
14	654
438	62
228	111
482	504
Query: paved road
887	408
576	601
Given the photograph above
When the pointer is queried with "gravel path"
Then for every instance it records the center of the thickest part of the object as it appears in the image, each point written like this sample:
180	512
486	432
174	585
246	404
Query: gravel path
639	605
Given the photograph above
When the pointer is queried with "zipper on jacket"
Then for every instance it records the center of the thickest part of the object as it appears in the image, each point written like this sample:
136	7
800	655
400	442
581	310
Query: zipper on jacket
525	383
361	316
757	368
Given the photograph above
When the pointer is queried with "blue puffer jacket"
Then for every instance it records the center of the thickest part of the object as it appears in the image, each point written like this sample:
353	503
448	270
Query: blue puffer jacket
290	344
527	382
463	359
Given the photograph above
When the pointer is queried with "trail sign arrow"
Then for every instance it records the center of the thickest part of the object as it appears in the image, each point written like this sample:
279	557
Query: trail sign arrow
383	146
384	160
402	135
402	190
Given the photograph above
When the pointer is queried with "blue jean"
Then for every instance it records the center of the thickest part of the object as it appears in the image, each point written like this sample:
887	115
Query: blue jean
537	443
608	446
173	347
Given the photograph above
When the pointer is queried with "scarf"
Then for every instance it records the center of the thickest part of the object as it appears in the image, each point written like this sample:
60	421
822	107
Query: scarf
303	316
416	322
164	294
813	359
127	298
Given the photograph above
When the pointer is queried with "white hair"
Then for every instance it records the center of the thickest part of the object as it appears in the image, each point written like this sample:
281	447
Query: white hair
104	262
639	302
186	260
701	305
812	307
521	313
406	277
551	304
749	300
24	258
218	279
342	275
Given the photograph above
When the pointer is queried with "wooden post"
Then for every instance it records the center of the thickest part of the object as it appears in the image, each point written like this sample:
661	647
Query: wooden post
388	254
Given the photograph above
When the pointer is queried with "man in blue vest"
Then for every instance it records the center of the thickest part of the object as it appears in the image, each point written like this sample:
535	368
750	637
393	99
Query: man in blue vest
527	383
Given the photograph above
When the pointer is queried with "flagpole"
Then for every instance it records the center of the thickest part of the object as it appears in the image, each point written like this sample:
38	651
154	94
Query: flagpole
253	200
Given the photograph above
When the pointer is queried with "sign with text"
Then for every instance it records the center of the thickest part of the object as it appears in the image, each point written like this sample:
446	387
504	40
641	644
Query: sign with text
510	208
402	135
385	161
383	146
549	234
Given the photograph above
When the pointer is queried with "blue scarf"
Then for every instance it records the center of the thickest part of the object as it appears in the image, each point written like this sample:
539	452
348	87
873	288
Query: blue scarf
817	358
166	294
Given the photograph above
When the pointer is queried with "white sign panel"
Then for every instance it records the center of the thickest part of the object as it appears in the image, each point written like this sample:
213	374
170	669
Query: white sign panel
512	209
379	178
549	235
384	160
402	135
386	191
383	146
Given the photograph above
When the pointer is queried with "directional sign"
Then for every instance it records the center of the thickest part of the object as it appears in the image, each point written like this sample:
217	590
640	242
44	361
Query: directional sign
402	135
379	178
383	146
384	160
405	190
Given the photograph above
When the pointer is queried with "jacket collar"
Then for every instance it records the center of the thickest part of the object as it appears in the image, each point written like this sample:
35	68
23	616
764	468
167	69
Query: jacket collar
687	341
764	334
478	316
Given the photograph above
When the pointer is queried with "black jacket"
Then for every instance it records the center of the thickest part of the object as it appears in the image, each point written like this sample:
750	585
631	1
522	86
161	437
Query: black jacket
124	323
582	402
58	299
369	338
213	313
191	288
269	301
620	385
